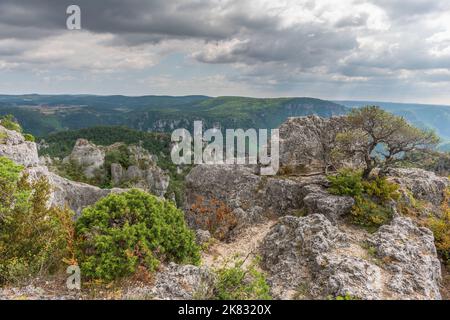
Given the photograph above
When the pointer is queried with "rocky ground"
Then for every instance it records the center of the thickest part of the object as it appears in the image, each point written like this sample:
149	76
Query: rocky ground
308	250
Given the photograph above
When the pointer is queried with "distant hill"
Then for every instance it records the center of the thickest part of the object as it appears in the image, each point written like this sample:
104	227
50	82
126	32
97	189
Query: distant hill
41	115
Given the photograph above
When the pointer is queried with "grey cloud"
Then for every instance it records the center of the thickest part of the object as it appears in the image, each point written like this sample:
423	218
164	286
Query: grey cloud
261	48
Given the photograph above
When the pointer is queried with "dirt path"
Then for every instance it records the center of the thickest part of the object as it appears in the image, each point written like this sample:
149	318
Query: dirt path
244	246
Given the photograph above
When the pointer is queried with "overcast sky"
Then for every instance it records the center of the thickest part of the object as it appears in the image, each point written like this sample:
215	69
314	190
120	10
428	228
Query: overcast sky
386	50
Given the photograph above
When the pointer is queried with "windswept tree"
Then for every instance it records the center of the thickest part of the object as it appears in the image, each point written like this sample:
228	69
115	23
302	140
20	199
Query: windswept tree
380	139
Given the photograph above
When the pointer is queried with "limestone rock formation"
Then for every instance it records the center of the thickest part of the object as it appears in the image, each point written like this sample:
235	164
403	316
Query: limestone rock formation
306	143
183	282
318	200
14	147
142	173
409	254
424	185
251	197
64	192
87	156
311	257
254	198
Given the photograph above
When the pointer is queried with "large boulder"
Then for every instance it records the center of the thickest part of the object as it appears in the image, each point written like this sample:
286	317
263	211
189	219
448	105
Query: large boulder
316	259
409	254
14	147
89	157
65	192
423	185
252	198
183	282
306	143
151	178
318	200
143	173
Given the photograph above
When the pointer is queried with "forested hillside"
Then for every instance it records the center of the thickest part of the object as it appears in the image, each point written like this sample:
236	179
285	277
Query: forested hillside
42	115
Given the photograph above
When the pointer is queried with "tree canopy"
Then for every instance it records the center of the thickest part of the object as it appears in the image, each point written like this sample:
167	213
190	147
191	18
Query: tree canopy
380	139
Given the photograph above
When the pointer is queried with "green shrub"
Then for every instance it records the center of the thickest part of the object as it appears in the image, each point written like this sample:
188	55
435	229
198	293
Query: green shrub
121	155
3	137
369	214
10	123
124	232
372	197
347	183
239	283
343	298
33	238
29	137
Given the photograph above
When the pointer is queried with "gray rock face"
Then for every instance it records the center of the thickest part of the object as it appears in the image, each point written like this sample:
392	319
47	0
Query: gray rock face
186	282
313	254
304	252
14	147
318	200
151	178
145	174
75	195
253	198
250	197
410	256
306	143
64	192
424	185
88	156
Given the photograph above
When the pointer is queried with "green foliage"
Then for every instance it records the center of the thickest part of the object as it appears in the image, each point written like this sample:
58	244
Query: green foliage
124	232
241	283
33	238
380	138
3	136
120	155
343	298
10	123
347	183
372	197
29	137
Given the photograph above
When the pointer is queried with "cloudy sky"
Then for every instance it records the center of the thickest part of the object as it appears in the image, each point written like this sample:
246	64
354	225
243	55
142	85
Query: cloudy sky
386	50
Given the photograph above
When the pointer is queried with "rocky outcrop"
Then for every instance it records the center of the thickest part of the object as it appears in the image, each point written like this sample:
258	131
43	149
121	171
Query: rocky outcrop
254	198
88	157
186	282
64	192
318	200
142	172
423	185
306	144
409	254
74	195
312	257
14	147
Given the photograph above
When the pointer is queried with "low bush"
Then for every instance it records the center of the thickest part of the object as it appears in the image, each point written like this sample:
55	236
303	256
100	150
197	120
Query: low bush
215	216
10	123
241	283
29	137
347	183
33	237
372	208
134	230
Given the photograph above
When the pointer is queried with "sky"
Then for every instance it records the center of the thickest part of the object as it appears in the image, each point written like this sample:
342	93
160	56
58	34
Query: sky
383	50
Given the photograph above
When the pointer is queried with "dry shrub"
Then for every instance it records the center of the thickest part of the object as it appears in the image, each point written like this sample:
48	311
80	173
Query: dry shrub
215	216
